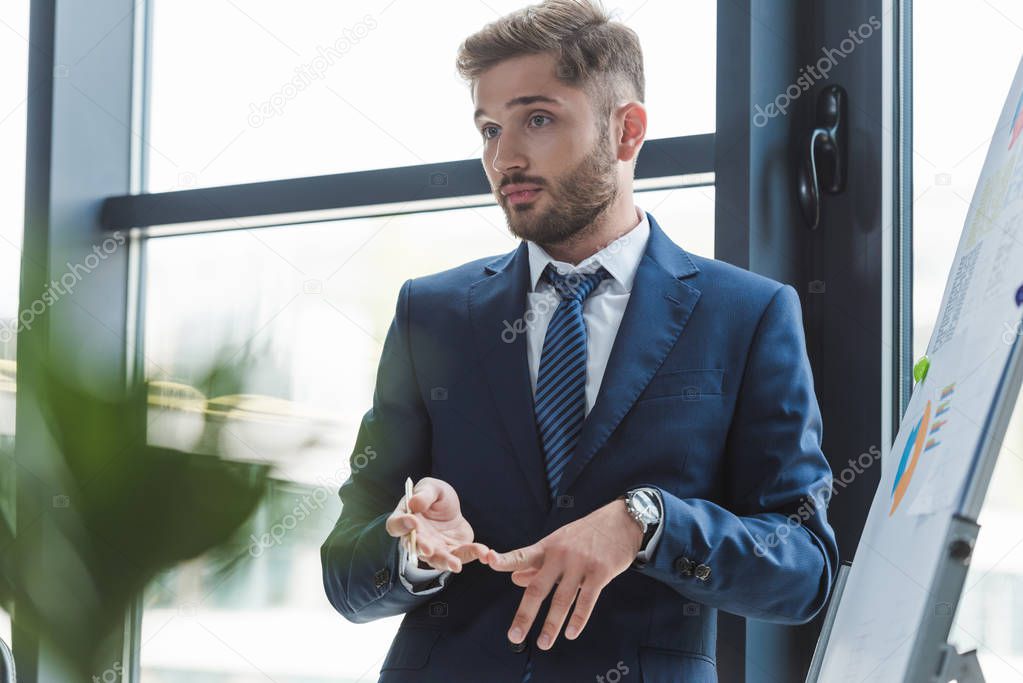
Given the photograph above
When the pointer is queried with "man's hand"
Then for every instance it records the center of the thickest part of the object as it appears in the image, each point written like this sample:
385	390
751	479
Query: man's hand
582	557
443	537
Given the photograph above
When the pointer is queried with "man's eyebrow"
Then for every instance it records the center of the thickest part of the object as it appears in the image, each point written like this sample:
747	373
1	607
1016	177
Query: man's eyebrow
519	101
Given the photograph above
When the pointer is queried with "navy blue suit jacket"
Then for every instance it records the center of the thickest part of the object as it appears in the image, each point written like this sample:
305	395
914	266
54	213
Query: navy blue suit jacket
707	396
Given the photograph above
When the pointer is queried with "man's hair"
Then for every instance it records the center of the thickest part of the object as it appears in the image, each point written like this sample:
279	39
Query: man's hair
599	55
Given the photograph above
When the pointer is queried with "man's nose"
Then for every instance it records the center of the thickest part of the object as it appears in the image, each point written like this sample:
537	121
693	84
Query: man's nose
508	156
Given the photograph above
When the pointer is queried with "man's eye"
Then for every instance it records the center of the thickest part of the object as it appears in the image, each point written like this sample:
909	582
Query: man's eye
534	117
484	130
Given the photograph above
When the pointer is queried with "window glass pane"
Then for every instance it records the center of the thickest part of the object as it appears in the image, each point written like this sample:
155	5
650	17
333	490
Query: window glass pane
958	96
318	299
951	133
260	90
13	100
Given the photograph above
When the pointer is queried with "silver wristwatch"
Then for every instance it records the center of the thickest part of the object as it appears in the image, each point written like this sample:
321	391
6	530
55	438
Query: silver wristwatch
643	506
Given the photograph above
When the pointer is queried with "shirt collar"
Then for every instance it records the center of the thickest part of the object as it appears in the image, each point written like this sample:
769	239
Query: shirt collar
620	257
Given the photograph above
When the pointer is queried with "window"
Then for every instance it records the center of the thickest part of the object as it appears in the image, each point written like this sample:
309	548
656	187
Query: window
317	301
312	301
13	96
963	91
244	92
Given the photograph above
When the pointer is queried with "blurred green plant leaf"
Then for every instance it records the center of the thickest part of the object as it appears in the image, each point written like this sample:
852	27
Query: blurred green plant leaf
123	512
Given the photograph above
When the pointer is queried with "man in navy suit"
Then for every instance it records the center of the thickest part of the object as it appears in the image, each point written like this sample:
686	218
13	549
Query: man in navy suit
632	426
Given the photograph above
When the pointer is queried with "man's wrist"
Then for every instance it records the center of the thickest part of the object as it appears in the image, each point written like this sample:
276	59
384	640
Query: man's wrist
635	527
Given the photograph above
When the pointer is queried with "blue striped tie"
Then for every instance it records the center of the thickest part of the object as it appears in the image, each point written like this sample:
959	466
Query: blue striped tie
560	399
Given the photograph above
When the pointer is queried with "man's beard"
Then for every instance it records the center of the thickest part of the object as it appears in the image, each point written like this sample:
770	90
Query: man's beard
576	200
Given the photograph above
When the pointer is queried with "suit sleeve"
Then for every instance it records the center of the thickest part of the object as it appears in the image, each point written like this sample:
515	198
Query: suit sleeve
361	562
768	553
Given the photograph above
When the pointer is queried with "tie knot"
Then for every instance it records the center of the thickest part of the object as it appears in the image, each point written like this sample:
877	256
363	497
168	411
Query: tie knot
576	285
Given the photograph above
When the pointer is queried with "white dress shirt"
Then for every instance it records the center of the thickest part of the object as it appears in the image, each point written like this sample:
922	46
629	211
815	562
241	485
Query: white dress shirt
602	313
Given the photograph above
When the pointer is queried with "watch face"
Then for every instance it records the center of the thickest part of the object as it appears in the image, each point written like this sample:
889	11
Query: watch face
646	506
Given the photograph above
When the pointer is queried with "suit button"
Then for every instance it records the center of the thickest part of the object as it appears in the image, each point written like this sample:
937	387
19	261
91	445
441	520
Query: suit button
517	647
382	578
702	571
684	566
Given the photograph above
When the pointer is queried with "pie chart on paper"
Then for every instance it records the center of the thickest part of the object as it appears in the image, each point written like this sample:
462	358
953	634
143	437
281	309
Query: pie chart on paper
910	457
924	437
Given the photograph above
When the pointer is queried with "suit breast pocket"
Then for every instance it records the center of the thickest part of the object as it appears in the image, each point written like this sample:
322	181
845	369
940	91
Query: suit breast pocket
689	385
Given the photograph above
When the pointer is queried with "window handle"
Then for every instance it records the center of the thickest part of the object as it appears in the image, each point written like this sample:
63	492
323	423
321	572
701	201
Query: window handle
824	165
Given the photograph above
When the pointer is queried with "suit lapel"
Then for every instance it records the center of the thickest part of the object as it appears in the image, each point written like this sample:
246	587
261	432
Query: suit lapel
658	310
497	306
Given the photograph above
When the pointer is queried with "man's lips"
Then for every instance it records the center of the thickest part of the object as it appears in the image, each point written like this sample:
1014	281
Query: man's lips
522	196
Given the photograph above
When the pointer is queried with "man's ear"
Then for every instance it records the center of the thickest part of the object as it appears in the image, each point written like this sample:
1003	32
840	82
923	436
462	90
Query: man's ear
631	120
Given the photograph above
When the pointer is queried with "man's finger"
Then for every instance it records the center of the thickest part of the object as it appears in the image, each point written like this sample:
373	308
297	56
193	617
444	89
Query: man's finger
561	602
583	609
467	552
532	598
425	546
435	552
396	524
524	577
443	561
513	560
425	494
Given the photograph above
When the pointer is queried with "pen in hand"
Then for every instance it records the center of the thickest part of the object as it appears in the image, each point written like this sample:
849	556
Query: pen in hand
435	533
410	537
